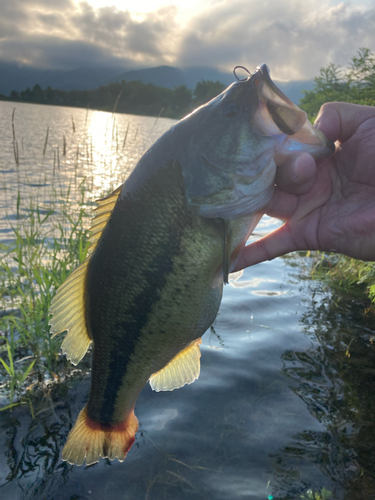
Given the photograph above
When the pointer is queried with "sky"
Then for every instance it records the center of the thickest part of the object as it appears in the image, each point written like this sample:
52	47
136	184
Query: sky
295	38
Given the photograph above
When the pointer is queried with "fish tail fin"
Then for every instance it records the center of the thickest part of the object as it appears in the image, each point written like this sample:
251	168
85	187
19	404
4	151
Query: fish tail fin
91	440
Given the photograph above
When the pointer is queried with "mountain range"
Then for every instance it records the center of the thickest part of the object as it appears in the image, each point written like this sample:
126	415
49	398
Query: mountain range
19	77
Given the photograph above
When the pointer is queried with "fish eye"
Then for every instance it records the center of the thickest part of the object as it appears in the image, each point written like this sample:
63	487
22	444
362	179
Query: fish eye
230	110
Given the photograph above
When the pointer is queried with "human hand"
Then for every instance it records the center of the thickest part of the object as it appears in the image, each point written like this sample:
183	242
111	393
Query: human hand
330	204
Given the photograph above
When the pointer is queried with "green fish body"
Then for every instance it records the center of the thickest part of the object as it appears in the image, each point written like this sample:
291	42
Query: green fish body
162	247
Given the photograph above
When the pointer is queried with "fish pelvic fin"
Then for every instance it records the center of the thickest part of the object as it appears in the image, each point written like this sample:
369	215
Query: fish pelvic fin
183	369
91	441
68	305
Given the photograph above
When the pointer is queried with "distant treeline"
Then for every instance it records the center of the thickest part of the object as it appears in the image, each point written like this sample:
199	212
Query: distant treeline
133	97
355	84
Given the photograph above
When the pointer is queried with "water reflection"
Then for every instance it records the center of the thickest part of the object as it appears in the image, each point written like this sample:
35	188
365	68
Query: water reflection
339	391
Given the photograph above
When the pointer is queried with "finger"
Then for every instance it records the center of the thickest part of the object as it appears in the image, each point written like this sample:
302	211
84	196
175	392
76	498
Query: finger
297	174
275	244
282	204
340	120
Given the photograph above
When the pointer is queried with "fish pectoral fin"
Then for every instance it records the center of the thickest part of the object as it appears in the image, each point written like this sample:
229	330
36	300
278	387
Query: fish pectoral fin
183	369
68	313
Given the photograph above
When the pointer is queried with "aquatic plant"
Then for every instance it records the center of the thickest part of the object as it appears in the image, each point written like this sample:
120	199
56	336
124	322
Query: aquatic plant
48	221
47	245
324	494
346	275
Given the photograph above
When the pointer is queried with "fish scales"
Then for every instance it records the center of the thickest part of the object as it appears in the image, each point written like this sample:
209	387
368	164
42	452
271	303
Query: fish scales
163	245
163	275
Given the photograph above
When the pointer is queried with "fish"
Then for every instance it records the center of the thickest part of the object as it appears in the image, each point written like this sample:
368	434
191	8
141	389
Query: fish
163	245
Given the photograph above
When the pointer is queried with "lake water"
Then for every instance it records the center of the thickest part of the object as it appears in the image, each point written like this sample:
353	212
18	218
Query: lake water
278	410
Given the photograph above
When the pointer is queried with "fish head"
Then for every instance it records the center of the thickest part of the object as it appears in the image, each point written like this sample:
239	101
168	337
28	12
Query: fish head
235	142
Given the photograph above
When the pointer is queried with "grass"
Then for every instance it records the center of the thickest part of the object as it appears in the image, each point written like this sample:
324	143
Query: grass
47	245
347	276
31	270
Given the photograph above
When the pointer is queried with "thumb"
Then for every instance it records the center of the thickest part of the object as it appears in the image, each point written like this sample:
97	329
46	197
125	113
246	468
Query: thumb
275	244
340	120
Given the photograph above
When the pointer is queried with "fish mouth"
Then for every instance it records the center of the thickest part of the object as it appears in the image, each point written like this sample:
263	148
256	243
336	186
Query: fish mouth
280	118
309	140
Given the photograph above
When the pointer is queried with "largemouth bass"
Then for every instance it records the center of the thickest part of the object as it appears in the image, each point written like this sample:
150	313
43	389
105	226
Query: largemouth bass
163	245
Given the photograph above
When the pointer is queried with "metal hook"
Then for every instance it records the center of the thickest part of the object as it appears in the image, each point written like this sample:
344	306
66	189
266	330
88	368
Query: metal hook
241	79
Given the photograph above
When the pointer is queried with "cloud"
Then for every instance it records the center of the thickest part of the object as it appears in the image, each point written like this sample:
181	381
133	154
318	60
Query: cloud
41	35
55	53
294	38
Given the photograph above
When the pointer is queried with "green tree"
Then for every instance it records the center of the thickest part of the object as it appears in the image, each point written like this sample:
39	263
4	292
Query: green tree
133	97
354	84
14	96
49	95
206	90
182	98
330	85
37	94
362	76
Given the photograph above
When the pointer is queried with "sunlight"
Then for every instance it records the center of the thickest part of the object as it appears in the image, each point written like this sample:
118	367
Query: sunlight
114	143
103	144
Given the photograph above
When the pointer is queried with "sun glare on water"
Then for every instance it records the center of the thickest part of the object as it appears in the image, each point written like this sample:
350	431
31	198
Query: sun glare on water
113	145
106	153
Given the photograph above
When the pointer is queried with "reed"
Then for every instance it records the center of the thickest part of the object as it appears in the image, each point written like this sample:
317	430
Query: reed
47	246
46	242
48	219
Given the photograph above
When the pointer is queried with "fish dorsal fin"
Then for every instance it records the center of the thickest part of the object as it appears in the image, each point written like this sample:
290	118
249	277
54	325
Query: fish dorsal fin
102	214
68	305
183	369
68	313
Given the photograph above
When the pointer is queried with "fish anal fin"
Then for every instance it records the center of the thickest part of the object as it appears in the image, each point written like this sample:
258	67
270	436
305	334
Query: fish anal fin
183	369
91	441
